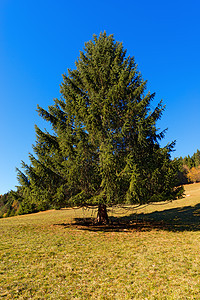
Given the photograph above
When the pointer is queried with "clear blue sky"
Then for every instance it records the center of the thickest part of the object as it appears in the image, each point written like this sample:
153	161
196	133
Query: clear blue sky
40	39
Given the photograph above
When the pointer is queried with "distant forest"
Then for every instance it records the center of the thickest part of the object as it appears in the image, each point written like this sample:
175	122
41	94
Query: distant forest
189	168
11	203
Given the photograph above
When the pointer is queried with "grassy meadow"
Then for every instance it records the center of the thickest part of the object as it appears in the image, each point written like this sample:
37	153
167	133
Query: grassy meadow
148	253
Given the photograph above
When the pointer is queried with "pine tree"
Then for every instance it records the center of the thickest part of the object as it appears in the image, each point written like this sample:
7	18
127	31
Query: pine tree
104	146
196	158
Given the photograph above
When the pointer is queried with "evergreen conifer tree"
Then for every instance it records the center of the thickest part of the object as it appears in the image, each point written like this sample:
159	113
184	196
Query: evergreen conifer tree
196	158
104	146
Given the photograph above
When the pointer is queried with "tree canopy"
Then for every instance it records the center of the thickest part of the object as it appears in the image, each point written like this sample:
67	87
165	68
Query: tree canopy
104	146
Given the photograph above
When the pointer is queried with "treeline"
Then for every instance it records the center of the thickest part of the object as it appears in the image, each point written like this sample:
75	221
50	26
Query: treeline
9	204
189	168
13	203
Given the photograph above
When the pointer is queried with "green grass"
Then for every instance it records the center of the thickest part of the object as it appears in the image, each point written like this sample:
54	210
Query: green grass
46	256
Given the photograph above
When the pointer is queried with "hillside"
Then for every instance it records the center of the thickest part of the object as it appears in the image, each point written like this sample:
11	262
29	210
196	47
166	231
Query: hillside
51	255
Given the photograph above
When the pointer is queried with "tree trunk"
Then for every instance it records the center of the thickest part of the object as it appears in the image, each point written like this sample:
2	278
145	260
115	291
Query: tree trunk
102	216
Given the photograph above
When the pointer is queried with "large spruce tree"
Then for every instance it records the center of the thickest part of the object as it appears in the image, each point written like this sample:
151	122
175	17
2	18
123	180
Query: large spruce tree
104	146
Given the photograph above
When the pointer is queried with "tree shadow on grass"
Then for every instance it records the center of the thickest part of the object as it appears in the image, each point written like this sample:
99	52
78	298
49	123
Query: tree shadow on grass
185	218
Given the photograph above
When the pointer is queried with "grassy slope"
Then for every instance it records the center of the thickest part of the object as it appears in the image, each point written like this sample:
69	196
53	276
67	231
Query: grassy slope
43	257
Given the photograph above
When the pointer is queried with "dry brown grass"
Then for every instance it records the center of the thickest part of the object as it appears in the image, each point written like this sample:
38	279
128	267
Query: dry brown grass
42	256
